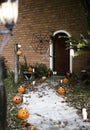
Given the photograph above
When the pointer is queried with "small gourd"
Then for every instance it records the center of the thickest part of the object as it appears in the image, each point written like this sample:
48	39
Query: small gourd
43	77
61	90
23	113
17	99
21	89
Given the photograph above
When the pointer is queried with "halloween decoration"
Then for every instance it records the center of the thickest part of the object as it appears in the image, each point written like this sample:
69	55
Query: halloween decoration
23	113
43	77
65	81
17	99
84	114
61	90
19	53
40	42
68	74
49	73
30	69
21	89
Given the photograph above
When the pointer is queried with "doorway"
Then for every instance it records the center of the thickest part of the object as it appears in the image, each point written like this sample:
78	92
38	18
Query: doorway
61	56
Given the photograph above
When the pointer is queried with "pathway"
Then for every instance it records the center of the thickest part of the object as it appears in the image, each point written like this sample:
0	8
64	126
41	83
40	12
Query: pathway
50	111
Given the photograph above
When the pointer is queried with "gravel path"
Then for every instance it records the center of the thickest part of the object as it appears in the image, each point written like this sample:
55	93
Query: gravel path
50	111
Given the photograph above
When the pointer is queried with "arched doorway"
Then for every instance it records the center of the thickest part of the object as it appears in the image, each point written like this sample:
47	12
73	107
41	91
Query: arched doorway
60	58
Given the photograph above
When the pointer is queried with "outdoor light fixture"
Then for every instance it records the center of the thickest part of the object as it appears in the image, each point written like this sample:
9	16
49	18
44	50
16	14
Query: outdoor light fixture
19	45
8	15
8	18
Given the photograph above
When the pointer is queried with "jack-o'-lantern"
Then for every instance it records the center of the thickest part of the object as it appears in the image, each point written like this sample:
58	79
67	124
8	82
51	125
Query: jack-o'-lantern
19	53
23	113
65	81
30	69
21	89
17	99
61	90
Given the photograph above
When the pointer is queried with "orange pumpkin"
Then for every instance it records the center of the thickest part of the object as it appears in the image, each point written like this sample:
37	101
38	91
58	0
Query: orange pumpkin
49	73
30	69
17	99
68	74
61	90
23	113
19	53
21	89
65	81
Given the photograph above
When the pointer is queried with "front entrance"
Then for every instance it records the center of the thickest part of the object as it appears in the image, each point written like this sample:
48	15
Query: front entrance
61	56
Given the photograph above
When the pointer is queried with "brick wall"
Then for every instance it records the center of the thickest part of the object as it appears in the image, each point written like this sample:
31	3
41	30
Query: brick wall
41	17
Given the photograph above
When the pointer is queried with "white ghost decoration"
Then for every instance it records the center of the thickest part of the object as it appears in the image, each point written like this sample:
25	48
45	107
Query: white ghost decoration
84	114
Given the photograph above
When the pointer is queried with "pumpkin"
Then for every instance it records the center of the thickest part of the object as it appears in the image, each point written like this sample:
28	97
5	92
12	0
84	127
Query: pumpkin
21	89
49	73
43	77
32	127
30	69
61	90
68	74
65	81
19	53
17	99
23	113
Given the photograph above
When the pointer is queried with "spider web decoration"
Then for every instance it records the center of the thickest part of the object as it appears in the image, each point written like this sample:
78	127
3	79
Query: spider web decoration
40	42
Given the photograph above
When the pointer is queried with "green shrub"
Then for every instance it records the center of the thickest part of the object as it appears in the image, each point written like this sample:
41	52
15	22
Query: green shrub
40	70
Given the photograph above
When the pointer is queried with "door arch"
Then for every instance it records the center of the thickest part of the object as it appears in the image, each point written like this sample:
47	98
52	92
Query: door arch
60	58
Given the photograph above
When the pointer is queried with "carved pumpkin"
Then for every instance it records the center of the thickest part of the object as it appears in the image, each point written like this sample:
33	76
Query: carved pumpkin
23	113
30	69
21	89
65	81
61	90
19	53
17	99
